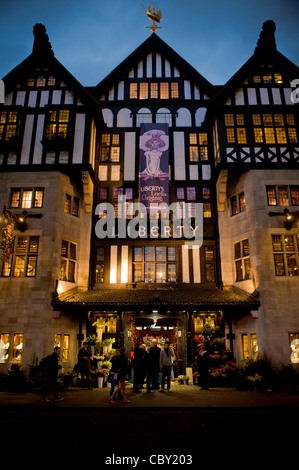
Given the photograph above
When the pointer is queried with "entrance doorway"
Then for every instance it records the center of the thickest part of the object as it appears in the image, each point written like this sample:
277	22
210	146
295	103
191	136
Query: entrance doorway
144	330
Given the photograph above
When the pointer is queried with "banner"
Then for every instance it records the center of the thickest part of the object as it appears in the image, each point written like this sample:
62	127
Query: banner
153	164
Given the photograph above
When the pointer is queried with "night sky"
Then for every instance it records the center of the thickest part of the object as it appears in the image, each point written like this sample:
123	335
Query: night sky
90	38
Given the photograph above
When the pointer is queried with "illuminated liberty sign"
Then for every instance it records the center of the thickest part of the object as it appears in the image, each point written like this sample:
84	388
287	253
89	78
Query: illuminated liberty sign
151	221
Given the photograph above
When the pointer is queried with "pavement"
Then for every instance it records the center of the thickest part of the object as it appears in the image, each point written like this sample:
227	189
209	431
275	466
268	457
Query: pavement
182	397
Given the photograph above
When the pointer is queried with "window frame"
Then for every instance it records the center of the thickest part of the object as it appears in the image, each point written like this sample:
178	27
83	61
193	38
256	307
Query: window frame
241	261
282	255
23	254
276	196
68	261
13	358
142	262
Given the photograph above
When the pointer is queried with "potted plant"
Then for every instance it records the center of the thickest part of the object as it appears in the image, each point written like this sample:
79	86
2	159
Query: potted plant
107	344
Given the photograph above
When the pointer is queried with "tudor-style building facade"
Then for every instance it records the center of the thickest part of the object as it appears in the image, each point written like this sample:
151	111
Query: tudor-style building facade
74	151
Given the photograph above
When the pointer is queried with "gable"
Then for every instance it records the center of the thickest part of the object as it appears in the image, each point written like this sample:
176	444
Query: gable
152	64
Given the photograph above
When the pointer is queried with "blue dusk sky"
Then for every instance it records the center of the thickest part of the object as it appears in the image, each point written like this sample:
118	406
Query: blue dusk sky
91	37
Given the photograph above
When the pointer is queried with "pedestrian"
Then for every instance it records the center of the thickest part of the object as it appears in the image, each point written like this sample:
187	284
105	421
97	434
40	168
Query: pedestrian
84	357
139	367
49	368
122	369
153	366
113	372
203	363
165	365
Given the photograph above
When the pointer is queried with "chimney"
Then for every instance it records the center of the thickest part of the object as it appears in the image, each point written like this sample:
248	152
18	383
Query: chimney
41	40
267	38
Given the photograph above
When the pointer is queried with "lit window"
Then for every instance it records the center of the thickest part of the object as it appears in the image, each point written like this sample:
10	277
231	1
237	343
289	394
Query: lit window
100	264
30	82
283	196
57	127
285	252
294	190
110	148
271	196
154	90
9	126
143	91
207	210
154	264
41	81
276	129
242	260
278	78
133	91
63	342
210	263
68	261
23	260
67	204
174	90
198	148
51	81
237	203
249	345
234	133
26	198
164	91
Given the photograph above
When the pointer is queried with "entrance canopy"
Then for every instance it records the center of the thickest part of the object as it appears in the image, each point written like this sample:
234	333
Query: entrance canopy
175	296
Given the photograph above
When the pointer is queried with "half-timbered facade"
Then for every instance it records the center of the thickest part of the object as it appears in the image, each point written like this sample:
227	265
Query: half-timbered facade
153	129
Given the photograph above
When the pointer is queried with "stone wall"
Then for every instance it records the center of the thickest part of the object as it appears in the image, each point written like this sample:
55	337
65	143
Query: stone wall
279	311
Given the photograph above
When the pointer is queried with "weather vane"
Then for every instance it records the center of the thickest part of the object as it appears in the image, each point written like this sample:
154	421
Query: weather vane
155	16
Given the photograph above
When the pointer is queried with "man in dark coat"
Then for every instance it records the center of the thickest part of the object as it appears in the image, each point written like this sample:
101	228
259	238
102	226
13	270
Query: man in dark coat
49	368
153	366
84	357
139	367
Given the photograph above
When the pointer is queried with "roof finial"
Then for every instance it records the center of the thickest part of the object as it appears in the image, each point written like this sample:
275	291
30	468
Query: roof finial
267	36
155	16
41	39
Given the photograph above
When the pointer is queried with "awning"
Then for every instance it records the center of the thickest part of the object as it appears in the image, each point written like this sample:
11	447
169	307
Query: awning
171	296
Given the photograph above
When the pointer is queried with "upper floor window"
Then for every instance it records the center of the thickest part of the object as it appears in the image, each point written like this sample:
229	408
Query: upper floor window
71	205
268	78
100	264
110	148
282	195
210	263
9	126
237	203
68	261
274	128
285	252
23	261
41	81
198	146
26	198
154	90
242	260
235	129
58	125
154	264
